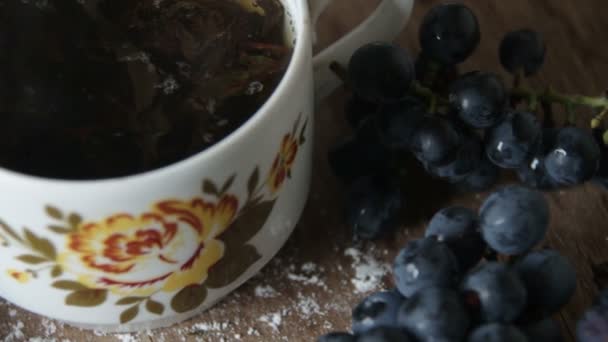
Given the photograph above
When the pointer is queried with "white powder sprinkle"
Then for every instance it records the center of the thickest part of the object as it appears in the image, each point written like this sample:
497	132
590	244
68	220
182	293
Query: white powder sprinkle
273	320
16	334
126	338
310	275
253	332
49	327
265	291
308	307
368	271
12	312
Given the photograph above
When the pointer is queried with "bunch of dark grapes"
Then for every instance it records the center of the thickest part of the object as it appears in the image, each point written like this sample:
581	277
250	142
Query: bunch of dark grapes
472	277
465	129
449	287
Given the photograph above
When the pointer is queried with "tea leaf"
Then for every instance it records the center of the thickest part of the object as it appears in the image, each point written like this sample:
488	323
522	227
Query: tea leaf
155	307
189	298
210	188
86	298
53	212
60	229
228	184
232	266
129	300
44	246
68	285
129	314
56	271
32	259
253	181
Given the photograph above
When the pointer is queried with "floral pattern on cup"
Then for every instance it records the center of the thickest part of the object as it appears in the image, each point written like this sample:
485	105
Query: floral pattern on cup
191	245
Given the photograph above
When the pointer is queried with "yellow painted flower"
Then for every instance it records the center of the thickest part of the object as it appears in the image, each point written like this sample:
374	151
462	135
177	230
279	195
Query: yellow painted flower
166	249
22	277
281	166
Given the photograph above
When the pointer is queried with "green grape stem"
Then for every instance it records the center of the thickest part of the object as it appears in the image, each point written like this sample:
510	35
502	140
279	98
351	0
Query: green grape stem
534	98
552	96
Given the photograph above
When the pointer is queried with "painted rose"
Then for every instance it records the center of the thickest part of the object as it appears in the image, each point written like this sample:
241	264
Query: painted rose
281	166
20	276
166	249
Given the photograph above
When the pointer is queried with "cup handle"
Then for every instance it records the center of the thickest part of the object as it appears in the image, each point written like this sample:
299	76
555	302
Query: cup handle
384	24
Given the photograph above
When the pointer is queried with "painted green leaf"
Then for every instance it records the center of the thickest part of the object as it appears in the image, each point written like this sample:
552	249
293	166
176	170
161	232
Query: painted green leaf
228	184
129	314
53	212
154	307
296	124
189	298
129	300
56	271
231	266
210	188
253	181
10	231
60	229
32	259
302	138
68	285
86	298
44	246
74	220
247	224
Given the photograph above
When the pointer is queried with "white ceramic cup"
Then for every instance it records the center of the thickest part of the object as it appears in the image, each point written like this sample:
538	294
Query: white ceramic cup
153	249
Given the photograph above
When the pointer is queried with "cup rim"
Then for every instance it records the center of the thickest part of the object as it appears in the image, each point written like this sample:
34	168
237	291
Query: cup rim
235	137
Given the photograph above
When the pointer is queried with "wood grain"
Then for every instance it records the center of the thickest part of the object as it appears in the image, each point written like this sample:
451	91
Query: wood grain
312	276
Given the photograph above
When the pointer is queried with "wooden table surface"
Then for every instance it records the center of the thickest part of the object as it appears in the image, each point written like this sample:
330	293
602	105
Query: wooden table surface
311	286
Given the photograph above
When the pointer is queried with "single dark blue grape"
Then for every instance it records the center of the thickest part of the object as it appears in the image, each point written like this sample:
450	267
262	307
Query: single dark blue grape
357	110
361	155
482	178
550	280
469	249
398	121
500	292
546	330
601	176
533	173
593	325
377	309
511	143
423	263
449	33
574	157
452	223
381	72
522	50
457	227
384	334
435	313
479	98
337	337
435	140
495	332
463	163
514	219
373	206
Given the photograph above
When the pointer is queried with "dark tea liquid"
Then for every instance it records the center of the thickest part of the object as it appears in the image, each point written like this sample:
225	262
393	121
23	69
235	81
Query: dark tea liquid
105	88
